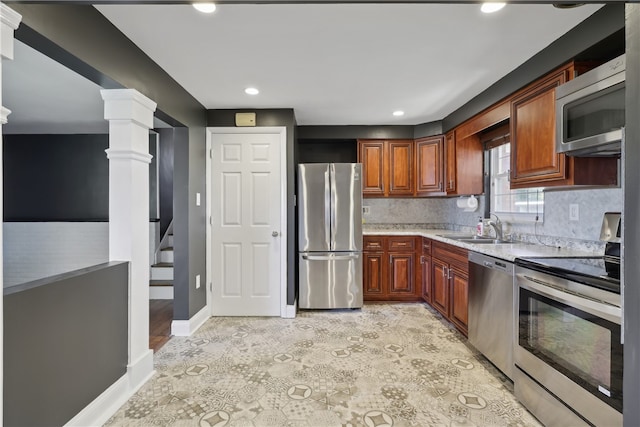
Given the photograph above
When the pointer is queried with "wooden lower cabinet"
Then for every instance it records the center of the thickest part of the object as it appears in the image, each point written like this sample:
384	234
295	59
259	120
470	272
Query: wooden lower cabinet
459	307
450	283
373	273
390	268
402	274
440	287
423	278
407	268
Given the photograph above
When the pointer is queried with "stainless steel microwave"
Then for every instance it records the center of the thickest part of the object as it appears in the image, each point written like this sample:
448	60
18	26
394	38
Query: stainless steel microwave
590	111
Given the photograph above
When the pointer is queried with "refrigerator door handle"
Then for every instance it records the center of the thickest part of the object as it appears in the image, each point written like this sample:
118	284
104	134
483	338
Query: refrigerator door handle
327	208
330	257
332	205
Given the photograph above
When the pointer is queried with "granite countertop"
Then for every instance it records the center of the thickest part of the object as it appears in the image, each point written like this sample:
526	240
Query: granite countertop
506	251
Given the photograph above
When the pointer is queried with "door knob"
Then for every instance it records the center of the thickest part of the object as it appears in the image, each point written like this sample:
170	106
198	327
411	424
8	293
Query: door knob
274	233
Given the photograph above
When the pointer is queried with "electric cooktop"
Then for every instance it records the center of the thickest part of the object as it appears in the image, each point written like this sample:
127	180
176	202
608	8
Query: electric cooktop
591	271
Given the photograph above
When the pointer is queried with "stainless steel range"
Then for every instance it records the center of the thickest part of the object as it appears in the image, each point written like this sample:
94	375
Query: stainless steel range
568	352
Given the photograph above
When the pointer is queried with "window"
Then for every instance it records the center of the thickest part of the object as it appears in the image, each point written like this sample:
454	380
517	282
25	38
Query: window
519	205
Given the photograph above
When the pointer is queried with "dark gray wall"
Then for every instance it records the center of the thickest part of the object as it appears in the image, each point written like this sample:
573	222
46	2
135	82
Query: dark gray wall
428	129
165	177
355	132
327	151
274	117
602	24
631	228
79	37
62	177
65	342
56	178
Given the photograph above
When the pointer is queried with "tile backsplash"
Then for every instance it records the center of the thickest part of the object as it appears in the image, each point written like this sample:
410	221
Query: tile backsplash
555	228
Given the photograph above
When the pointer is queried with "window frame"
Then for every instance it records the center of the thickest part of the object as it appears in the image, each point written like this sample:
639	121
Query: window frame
493	155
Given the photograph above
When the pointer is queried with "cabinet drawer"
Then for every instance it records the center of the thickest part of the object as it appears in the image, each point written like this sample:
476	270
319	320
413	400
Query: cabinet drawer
452	254
373	243
402	243
426	246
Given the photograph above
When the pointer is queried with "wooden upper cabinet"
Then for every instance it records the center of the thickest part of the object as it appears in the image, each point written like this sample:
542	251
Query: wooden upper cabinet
450	162
401	180
371	155
534	161
387	167
429	165
533	133
463	164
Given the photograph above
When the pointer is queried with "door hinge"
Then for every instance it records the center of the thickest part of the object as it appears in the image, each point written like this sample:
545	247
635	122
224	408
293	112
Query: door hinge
210	286
210	220
211	153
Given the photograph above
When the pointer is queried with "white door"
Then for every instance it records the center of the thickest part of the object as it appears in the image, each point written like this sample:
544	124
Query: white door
247	181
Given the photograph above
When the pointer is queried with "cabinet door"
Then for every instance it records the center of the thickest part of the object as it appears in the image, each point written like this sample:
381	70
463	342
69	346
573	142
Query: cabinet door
373	275
371	155
450	162
425	278
533	134
459	283
429	165
402	274
401	176
440	286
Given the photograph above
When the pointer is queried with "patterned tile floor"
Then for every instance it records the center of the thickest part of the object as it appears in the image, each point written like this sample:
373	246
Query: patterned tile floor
385	365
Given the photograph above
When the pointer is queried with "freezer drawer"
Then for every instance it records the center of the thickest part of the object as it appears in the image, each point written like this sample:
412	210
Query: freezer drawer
330	280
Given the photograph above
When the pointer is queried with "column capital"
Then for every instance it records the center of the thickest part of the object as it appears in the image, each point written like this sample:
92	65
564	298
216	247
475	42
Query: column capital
113	154
4	112
9	21
128	104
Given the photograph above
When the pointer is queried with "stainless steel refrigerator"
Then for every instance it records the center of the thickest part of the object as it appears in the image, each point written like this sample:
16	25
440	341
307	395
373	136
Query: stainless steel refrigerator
330	235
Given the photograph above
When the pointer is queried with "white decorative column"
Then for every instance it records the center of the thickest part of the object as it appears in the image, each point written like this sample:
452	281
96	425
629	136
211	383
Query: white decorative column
9	21
130	116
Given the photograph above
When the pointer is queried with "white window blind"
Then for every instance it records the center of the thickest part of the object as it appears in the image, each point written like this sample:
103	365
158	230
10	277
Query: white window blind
521	205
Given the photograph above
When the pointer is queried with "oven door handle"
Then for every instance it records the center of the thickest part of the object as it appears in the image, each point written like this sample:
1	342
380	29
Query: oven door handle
597	308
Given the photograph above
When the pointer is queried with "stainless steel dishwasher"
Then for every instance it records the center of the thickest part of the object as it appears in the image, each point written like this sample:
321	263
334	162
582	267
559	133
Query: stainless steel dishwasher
491	319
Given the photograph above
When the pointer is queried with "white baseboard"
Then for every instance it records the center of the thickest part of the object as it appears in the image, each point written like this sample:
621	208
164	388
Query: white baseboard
160	292
98	412
290	311
141	370
184	328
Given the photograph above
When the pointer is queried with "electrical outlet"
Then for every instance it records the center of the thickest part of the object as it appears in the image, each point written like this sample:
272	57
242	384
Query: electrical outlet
197	199
366	210
197	281
574	212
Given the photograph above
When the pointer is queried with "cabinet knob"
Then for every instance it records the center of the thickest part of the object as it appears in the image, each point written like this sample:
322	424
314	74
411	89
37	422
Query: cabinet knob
275	233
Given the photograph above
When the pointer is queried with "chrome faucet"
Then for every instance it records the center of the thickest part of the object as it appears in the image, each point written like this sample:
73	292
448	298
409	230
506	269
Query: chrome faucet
497	226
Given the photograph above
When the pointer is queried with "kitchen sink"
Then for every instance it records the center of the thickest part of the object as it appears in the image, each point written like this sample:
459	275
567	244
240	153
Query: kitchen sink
486	241
472	238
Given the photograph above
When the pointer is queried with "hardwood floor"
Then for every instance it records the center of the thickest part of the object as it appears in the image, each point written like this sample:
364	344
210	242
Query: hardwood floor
160	317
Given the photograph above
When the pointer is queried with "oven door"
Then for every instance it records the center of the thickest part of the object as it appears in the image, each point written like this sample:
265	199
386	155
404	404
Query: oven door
571	346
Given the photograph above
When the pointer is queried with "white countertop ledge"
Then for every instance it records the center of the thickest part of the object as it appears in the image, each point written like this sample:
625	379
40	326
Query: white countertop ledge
505	251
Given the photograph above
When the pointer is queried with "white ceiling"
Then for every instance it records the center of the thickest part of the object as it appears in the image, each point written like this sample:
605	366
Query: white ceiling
342	64
334	64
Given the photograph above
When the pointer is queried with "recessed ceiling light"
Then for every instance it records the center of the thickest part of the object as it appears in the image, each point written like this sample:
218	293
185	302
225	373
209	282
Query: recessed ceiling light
251	91
567	5
398	113
490	7
205	7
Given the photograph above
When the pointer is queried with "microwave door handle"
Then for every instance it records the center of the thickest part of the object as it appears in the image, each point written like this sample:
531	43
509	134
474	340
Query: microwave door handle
600	309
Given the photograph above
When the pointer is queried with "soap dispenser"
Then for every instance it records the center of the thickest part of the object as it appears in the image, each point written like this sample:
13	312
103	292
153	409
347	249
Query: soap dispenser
480	227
